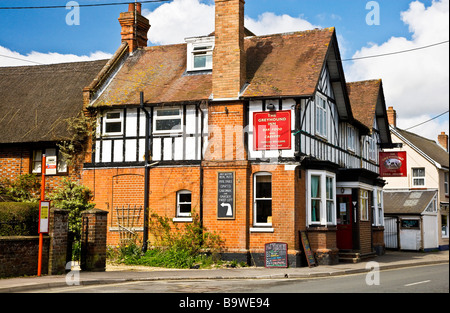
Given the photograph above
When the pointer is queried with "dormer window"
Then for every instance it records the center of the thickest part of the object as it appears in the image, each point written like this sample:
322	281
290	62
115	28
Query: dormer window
200	54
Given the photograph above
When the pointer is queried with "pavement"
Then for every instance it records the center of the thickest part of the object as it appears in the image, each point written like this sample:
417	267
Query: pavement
121	274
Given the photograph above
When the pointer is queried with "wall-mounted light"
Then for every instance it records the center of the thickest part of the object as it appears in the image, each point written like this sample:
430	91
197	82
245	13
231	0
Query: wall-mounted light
271	107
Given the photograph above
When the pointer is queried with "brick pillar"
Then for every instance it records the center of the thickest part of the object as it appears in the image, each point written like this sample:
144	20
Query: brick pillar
93	240
58	230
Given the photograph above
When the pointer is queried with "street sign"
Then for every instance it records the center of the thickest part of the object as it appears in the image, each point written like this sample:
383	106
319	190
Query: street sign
44	214
226	195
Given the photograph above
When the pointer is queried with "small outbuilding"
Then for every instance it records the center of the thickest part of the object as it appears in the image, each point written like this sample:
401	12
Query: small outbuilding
411	220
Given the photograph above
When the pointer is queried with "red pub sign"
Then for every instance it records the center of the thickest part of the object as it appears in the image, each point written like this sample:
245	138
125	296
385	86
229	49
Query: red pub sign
272	130
393	164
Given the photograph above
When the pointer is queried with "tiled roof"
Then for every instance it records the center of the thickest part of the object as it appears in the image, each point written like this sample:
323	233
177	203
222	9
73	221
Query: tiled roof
363	99
277	65
427	146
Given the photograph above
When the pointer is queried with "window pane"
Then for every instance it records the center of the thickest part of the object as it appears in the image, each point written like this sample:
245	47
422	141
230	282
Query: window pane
185	208
264	187
185	197
113	127
315	210
113	115
168	112
166	125
330	188
202	60
263	211
330	210
315	187
419	182
418	172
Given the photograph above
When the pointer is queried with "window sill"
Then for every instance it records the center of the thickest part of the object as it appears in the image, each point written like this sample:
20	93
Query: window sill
182	219
262	230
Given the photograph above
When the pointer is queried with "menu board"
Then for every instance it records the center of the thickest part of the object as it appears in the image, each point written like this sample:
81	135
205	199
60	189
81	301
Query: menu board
307	249
226	195
276	255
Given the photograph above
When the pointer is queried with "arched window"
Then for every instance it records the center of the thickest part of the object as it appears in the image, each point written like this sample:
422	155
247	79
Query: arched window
184	203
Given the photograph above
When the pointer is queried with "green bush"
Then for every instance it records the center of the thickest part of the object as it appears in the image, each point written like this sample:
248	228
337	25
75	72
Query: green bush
25	188
19	219
75	198
173	247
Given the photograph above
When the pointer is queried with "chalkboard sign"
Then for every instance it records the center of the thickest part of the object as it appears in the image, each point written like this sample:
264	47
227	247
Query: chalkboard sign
307	250
226	195
276	255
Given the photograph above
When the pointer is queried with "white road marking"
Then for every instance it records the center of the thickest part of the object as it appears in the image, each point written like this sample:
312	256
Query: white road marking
418	283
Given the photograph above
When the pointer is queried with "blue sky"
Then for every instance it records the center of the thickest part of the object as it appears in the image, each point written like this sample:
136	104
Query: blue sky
45	30
412	81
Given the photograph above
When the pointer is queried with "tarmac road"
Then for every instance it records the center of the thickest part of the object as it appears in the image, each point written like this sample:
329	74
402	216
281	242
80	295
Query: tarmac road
422	279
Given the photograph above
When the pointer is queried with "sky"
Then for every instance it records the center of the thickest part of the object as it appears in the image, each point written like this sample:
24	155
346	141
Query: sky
415	83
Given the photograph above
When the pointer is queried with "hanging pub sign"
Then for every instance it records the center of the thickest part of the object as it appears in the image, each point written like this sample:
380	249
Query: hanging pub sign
272	130
393	164
44	214
226	195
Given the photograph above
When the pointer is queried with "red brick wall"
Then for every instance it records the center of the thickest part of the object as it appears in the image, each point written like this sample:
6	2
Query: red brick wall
14	161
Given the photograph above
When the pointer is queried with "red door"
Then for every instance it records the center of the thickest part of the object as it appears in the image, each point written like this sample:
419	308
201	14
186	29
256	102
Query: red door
344	221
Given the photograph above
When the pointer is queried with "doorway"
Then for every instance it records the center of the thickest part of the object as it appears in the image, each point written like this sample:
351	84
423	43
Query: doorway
344	223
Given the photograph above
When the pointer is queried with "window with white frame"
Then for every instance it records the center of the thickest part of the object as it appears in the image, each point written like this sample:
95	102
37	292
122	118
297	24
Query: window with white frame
321	116
380	216
432	206
372	145
444	224
36	162
262	199
364	204
113	123
200	54
321	198
446	183
184	203
168	120
351	138
418	179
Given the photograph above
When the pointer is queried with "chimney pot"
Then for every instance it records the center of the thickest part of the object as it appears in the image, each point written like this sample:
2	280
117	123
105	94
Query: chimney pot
134	27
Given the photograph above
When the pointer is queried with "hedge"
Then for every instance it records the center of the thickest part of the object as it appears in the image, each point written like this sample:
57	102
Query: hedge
19	219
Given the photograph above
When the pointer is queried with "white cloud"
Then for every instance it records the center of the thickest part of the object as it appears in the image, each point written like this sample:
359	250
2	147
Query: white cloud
415	83
12	58
173	22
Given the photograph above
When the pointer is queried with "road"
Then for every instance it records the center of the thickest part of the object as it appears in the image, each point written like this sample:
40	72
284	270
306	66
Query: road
423	279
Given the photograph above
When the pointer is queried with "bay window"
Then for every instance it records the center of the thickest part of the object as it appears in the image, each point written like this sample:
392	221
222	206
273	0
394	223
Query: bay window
321	198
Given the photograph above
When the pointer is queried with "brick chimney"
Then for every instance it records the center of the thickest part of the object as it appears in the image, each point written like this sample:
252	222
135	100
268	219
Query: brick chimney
443	140
392	116
134	27
229	59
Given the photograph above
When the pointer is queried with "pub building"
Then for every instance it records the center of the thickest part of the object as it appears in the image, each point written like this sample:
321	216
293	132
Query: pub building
259	135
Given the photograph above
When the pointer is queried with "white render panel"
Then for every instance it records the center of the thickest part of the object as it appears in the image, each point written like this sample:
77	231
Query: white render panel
167	149
190	148
97	151
157	149
130	148
118	151
106	151
131	123
178	149
190	119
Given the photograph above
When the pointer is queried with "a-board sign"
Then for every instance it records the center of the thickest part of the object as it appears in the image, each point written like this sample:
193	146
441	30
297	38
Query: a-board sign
307	249
226	191
276	255
44	215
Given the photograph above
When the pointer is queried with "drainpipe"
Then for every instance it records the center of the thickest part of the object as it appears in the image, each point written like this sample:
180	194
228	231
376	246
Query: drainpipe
146	175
